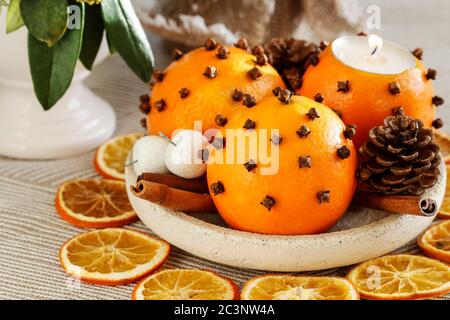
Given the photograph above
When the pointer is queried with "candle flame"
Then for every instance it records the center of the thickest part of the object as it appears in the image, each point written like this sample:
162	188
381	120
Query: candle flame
375	43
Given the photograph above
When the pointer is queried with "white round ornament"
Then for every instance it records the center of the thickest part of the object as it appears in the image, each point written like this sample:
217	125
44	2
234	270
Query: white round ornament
148	155
182	155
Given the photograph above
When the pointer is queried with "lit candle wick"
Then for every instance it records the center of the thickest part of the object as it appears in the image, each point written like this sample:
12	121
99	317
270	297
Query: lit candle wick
376	43
374	51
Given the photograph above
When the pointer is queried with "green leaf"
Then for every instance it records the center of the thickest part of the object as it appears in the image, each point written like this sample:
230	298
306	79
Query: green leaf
14	19
52	68
93	35
46	20
128	37
112	50
3	3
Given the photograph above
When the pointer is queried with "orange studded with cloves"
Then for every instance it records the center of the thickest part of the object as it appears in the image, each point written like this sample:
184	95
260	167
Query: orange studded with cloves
306	182
366	99
201	85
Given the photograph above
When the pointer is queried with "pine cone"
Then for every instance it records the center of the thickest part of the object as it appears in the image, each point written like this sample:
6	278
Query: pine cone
291	58
400	157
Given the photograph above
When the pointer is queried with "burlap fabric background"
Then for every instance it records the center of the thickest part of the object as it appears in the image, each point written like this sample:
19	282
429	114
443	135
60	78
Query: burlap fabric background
192	21
31	232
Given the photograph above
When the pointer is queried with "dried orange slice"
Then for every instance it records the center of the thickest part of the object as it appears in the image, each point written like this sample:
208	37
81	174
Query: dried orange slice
287	287
401	277
444	211
178	284
94	203
435	242
443	140
112	256
110	158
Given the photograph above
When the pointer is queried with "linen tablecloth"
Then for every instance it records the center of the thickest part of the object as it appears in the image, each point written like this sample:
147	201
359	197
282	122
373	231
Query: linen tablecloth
31	232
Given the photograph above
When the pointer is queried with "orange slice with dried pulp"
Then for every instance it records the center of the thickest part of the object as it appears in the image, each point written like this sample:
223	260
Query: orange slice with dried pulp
112	256
288	287
435	242
401	277
178	284
110	158
94	203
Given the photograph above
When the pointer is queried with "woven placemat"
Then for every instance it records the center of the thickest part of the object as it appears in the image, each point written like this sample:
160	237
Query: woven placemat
31	231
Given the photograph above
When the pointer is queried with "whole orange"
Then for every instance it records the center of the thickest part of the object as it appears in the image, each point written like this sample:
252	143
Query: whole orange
185	92
369	100
312	180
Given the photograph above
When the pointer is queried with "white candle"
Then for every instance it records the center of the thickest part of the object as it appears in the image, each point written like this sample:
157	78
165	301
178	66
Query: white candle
372	54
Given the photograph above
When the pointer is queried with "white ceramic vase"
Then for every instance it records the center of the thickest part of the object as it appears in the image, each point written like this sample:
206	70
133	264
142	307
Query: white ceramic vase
79	122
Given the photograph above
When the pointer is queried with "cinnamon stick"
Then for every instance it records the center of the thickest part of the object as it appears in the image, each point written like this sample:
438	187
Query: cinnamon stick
175	199
198	185
399	204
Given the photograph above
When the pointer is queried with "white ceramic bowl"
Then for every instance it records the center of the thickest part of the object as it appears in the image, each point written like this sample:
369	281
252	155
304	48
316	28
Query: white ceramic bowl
362	234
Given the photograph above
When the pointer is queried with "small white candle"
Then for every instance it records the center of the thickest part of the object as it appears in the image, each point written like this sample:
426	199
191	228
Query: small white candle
372	54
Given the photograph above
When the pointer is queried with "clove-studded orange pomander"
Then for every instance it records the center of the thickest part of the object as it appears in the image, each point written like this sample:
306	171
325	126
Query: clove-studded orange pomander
304	189
366	99
206	82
